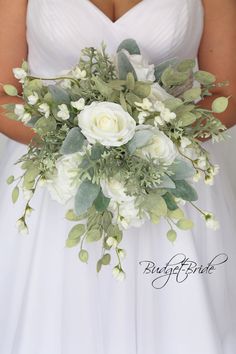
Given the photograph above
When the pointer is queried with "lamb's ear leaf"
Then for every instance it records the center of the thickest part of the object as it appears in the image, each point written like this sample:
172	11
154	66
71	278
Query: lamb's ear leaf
181	169
101	202
59	95
124	66
184	191
139	140
73	142
85	196
130	45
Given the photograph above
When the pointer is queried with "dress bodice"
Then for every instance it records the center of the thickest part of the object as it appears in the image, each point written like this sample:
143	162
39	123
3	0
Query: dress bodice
57	30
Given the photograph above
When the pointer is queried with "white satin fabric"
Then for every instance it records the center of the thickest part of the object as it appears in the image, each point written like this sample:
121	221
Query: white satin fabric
51	303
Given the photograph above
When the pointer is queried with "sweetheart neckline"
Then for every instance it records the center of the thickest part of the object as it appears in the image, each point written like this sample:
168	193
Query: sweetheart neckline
127	13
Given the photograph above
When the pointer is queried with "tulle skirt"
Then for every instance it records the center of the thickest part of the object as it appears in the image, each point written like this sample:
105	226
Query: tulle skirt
51	303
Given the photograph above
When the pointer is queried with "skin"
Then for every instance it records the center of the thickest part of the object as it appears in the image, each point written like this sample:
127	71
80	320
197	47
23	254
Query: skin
217	52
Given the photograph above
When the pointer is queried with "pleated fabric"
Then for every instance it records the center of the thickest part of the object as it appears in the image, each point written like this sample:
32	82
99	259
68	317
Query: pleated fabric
51	303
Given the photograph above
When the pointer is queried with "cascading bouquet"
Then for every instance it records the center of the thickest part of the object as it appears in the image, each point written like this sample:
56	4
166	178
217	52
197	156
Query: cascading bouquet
117	143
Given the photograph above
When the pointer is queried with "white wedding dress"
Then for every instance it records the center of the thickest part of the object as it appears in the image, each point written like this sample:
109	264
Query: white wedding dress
50	302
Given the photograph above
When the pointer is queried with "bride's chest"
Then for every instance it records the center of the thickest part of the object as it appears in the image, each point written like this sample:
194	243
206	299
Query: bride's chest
163	28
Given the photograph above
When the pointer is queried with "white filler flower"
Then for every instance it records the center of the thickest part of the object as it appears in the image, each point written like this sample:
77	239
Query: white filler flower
107	123
211	221
21	114
79	105
44	109
20	74
63	112
33	99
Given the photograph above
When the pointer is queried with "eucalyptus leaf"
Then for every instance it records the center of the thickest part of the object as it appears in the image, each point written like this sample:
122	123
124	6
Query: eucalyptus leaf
185	65
159	69
131	98
106	220
192	94
72	242
185	224
155	204
76	232
73	142
171	235
130	45
220	104
44	125
173	103
34	85
186	119
93	235
99	265
117	84
176	214
30	176
204	77
85	196
171	77
142	89
10	179
15	194
102	87
106	259
83	255
10	90
71	216
123	101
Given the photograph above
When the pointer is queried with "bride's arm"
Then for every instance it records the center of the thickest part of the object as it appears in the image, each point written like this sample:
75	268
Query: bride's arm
217	52
13	50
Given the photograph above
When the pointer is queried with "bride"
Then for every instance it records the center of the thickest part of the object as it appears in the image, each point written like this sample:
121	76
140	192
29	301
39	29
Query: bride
51	303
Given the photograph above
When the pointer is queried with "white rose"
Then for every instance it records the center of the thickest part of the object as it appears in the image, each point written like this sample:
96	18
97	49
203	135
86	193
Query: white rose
107	123
114	190
143	70
64	184
159	147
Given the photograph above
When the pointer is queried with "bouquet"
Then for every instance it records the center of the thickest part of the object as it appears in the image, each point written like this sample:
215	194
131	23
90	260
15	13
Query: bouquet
118	142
